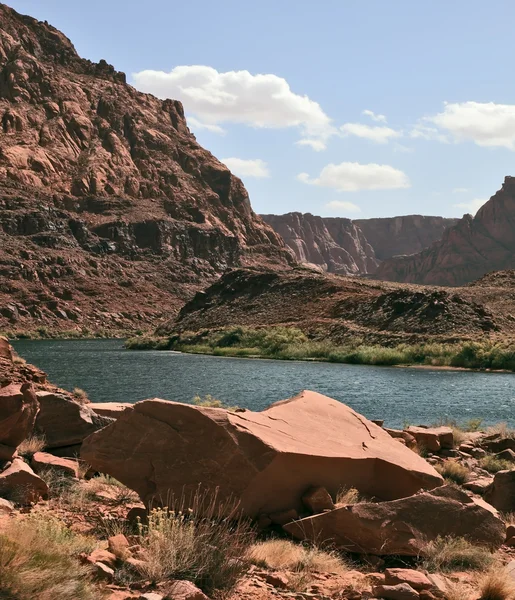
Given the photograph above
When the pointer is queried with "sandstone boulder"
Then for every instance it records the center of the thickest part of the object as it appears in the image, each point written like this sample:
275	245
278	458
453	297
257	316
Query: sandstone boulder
403	526
64	422
6	351
501	492
267	460
18	410
19	483
433	438
401	591
416	579
42	461
110	409
402	436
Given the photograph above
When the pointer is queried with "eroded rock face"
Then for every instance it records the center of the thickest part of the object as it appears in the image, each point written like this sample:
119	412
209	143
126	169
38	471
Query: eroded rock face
106	195
63	422
267	460
403	527
18	409
333	245
403	235
468	250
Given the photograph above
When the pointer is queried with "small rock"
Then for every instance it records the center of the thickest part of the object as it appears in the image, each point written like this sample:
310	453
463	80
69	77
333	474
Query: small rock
478	452
119	546
416	579
478	486
102	556
317	500
151	596
278	580
184	590
20	482
401	591
103	572
6	507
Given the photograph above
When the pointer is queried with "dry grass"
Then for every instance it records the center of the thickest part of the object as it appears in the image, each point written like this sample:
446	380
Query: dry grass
301	560
457	591
347	496
194	539
501	429
496	585
38	559
81	395
209	402
492	464
454	554
508	518
30	446
453	471
121	494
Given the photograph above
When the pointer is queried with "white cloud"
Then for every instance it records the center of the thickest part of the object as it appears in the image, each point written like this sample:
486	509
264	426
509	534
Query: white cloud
197	125
473	206
424	132
486	124
461	190
316	145
374	117
342	206
379	135
353	177
247	168
264	101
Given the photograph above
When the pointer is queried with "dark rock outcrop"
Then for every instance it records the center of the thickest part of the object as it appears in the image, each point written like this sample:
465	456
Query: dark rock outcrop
110	211
468	250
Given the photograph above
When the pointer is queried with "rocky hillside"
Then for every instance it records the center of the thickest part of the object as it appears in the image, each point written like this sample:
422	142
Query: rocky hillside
473	247
339	245
110	211
347	309
334	245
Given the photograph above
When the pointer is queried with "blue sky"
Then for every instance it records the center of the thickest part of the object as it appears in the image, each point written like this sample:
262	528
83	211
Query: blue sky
279	89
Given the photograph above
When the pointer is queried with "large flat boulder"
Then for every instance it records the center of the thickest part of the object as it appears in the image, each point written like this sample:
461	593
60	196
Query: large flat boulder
18	409
403	527
64	422
268	460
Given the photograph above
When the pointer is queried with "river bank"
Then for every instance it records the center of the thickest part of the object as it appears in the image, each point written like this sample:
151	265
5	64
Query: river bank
290	343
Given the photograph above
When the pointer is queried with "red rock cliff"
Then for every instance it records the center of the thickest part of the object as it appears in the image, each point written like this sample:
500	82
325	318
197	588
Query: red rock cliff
473	247
110	211
335	245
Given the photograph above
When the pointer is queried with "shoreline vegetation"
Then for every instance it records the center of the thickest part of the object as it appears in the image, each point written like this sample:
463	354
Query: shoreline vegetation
45	333
290	343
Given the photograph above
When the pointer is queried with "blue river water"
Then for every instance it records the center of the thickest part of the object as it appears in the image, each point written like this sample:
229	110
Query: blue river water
109	373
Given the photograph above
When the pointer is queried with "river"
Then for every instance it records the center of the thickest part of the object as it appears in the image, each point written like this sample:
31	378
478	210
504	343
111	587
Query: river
109	373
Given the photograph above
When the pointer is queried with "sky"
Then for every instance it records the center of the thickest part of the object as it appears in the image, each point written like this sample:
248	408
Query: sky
353	108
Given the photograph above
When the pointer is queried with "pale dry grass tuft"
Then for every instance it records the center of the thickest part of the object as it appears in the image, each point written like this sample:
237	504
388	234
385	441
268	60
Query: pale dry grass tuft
302	561
501	429
454	554
457	591
200	539
347	496
30	446
453	471
492	464
496	585
39	559
81	395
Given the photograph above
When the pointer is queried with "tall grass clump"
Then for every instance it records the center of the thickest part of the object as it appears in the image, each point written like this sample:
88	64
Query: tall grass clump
30	446
201	539
492	464
146	342
454	554
302	560
453	471
496	585
39	559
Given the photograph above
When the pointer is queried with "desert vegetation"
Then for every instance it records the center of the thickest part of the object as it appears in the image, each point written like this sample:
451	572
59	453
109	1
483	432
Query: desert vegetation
290	343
